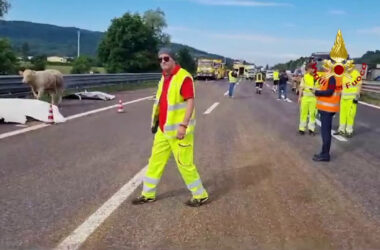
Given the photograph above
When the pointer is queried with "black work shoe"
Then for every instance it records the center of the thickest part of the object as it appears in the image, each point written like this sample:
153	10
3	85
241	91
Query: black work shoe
301	132
349	135
142	199
338	133
311	132
320	158
196	202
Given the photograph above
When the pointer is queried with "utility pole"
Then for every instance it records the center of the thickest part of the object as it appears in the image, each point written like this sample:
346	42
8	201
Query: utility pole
78	43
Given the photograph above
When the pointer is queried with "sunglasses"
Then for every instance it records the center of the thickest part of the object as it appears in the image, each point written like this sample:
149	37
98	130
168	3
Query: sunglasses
165	59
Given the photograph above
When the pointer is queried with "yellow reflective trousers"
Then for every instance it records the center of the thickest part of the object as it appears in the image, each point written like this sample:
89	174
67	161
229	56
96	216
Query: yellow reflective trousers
183	152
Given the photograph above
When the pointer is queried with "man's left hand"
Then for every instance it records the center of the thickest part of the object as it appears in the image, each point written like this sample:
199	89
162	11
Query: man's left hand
181	132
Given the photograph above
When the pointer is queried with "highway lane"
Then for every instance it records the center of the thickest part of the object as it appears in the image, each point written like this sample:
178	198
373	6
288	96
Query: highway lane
266	192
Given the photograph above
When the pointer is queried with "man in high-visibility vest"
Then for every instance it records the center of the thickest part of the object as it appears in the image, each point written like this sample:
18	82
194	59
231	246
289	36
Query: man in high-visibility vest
232	78
348	103
276	78
173	122
308	102
259	82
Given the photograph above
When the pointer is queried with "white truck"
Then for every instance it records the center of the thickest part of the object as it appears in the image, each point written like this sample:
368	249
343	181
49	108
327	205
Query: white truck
249	72
269	74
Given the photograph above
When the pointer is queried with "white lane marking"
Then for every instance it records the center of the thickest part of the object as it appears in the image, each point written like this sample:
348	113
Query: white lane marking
338	137
23	130
106	108
22	125
369	105
210	109
79	235
267	85
226	93
288	100
35	127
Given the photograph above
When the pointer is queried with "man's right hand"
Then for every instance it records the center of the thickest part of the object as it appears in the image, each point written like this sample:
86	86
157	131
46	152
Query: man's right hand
154	128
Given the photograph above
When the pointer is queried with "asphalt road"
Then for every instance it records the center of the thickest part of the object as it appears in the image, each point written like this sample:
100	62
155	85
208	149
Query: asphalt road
266	192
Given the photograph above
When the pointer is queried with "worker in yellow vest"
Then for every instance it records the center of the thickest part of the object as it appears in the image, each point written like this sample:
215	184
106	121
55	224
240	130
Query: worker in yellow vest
259	82
348	103
308	102
173	123
232	78
276	78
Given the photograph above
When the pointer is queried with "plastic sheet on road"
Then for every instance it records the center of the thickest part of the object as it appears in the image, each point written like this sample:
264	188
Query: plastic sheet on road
18	110
92	95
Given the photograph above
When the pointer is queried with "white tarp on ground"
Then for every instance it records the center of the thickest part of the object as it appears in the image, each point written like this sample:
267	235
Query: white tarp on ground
94	95
17	110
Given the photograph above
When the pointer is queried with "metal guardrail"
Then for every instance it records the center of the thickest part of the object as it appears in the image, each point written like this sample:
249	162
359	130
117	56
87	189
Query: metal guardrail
371	86
12	86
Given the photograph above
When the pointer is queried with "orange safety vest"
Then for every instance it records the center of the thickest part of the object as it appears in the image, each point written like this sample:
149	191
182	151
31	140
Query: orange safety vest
330	103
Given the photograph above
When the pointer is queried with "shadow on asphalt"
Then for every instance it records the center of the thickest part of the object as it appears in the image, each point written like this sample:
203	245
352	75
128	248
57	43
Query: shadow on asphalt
227	181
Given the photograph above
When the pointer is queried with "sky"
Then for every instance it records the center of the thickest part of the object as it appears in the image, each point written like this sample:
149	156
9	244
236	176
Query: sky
261	32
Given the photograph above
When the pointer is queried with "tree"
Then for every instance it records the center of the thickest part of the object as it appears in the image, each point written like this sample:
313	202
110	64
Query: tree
81	65
129	45
38	62
292	64
8	60
25	50
370	57
155	19
186	60
4	7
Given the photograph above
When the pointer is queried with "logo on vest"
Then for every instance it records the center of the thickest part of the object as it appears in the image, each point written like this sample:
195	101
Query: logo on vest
340	70
338	66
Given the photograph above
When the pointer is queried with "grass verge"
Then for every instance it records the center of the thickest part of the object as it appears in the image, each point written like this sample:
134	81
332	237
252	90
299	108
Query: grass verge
372	98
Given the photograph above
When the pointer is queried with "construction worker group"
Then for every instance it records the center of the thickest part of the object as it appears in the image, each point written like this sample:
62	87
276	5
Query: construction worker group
348	103
173	116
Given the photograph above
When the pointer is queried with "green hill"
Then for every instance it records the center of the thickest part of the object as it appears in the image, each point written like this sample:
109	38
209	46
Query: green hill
46	39
199	53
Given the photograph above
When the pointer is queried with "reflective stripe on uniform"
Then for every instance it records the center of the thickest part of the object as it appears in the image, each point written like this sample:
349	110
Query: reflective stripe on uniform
349	94
151	180
307	94
194	184
177	106
199	191
349	128
147	189
342	127
175	126
328	104
312	125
